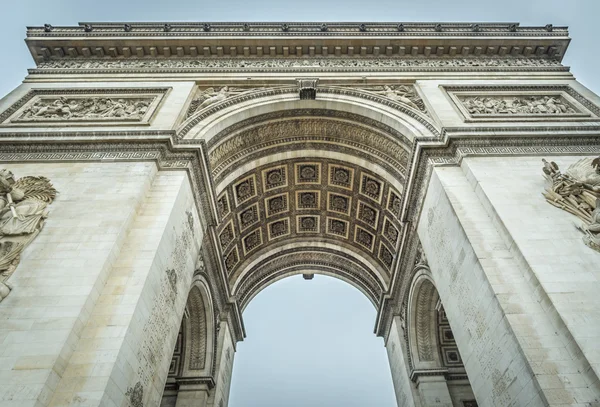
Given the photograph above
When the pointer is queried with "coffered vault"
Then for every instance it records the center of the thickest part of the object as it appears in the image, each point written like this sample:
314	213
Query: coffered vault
197	163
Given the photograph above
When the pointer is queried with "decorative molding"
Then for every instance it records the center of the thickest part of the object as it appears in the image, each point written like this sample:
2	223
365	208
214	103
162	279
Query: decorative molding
322	64
198	325
159	151
369	139
300	260
522	103
308	88
416	373
403	98
287	29
120	106
423	319
274	194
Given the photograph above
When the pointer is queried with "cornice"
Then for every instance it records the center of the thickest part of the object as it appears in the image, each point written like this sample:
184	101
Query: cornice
268	40
287	29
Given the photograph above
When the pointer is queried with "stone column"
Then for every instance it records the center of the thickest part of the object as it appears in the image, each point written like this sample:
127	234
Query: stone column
192	395
61	276
515	348
433	391
225	354
125	348
396	355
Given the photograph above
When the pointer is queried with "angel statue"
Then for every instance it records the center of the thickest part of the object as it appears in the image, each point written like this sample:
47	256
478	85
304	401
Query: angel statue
577	191
405	94
23	209
210	96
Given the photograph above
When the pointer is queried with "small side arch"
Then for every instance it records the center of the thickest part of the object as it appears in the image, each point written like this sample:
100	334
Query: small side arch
193	361
423	305
200	332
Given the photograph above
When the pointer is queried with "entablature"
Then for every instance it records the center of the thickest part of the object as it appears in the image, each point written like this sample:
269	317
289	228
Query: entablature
268	41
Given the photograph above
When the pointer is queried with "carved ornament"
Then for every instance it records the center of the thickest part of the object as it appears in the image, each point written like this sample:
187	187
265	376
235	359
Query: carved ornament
86	106
527	103
577	191
294	65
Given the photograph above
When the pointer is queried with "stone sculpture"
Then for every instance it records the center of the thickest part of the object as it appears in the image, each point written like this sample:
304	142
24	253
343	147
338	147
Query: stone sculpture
89	108
517	105
577	191
211	96
405	94
23	209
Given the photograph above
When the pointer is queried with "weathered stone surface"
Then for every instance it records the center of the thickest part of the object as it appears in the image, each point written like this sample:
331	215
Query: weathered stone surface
408	168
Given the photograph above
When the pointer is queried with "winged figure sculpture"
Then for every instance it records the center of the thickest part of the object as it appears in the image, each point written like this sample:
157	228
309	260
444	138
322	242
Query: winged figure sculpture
23	210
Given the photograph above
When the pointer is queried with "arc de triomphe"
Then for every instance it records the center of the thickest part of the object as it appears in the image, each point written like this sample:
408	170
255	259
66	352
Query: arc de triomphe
158	176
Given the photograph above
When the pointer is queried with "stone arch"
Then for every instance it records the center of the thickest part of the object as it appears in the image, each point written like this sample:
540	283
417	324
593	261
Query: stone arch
268	153
423	342
434	361
281	263
206	123
193	363
199	331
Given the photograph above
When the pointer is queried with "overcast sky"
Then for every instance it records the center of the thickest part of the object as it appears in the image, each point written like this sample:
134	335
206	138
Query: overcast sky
310	343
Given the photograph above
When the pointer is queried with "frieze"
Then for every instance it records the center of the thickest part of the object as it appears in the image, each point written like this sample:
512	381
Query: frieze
85	106
526	103
317	64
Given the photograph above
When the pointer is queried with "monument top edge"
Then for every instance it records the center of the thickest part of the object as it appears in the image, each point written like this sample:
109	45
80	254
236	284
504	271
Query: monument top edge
299	28
135	40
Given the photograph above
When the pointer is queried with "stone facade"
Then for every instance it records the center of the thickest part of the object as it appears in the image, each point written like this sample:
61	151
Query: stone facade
158	176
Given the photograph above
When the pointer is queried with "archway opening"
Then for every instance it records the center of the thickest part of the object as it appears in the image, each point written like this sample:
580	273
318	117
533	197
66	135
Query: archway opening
310	350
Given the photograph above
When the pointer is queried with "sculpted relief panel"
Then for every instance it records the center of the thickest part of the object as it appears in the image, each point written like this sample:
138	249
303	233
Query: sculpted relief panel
547	103
85	106
23	209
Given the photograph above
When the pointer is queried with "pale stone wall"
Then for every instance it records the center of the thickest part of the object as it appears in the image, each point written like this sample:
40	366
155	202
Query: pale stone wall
224	370
549	247
515	347
93	310
63	272
398	365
